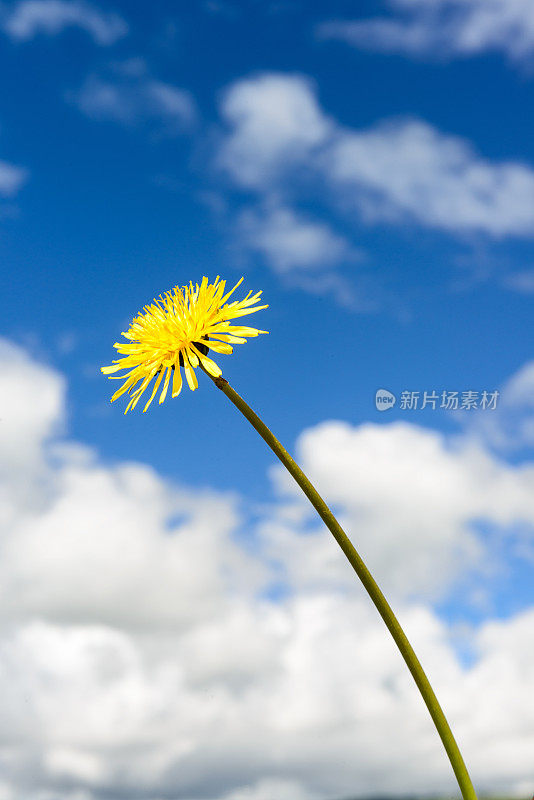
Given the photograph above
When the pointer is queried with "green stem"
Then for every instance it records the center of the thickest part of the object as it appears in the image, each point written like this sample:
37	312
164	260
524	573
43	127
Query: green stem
384	609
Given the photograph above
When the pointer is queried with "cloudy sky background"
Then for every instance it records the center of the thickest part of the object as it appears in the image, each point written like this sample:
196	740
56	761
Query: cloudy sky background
175	624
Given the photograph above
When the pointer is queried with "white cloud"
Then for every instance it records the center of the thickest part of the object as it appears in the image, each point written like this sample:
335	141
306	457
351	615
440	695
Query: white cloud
332	712
49	516
522	281
131	96
268	788
290	241
12	178
281	143
443	28
408	169
144	555
28	18
274	123
302	250
26	423
138	654
511	425
404	519
106	578
274	129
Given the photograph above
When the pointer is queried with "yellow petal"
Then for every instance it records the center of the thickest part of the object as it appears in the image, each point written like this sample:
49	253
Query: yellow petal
108	370
226	296
125	386
138	392
210	366
165	385
177	381
168	328
192	355
227	337
190	374
220	347
154	390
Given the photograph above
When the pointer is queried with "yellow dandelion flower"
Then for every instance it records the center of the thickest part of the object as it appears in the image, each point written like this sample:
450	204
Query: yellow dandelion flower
177	330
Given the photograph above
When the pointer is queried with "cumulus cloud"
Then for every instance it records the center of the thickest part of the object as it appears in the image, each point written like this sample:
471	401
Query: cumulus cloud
289	241
280	141
274	122
442	28
404	519
145	522
511	426
26	425
331	712
304	251
408	169
274	129
29	18
131	96
142	655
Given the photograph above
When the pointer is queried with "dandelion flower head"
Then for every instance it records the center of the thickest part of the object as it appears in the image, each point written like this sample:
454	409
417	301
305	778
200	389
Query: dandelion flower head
177	330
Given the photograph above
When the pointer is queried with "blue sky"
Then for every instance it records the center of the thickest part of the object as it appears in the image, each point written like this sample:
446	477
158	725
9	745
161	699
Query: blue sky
112	213
373	173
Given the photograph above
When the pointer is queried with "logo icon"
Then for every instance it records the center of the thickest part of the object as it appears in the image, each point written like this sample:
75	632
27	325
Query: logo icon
384	400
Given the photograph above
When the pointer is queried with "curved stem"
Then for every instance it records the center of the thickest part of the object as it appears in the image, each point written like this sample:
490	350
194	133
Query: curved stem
383	607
